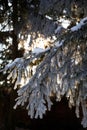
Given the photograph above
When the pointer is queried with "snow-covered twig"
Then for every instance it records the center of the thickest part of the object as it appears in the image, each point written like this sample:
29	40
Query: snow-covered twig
79	25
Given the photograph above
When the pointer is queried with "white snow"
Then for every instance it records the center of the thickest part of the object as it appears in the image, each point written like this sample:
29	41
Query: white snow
79	25
84	20
59	43
64	22
58	29
28	41
48	17
38	50
10	65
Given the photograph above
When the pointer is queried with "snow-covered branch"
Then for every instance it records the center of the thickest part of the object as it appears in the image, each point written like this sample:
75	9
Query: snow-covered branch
79	25
60	70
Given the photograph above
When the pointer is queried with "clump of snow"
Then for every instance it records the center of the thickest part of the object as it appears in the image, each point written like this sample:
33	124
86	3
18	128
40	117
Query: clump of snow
79	25
38	50
48	17
64	22
59	43
84	20
11	65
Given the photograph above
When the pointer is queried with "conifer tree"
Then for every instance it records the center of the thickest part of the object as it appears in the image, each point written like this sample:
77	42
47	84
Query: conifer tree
51	34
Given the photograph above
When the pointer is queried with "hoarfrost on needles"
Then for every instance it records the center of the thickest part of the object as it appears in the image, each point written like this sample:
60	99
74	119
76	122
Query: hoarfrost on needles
55	73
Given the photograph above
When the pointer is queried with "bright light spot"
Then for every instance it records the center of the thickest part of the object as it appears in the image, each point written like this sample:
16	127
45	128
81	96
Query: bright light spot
8	82
48	17
2	47
9	39
64	23
1	61
27	41
58	79
1	82
1	7
64	11
6	28
54	38
24	43
9	4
